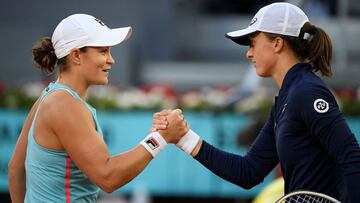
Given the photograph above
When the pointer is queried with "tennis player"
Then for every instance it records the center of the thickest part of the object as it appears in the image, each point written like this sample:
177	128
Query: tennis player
306	131
60	155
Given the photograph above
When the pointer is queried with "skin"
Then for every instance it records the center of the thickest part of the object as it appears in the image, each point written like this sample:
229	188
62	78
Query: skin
17	162
64	123
271	58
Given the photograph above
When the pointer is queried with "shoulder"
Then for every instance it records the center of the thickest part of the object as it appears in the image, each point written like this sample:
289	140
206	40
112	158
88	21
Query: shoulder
311	93
61	106
309	86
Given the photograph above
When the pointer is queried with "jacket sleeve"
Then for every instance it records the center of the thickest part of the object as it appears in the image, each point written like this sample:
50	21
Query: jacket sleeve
326	123
244	171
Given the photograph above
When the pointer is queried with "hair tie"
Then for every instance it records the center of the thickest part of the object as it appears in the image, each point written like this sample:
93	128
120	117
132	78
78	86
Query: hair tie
307	31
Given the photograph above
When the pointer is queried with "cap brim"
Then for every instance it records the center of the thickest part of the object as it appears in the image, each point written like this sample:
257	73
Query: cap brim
112	37
241	36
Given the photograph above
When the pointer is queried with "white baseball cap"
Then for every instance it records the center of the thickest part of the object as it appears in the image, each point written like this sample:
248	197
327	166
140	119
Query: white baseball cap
81	30
277	18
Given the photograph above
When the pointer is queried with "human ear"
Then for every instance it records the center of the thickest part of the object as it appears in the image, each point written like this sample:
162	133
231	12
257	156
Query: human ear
278	44
75	56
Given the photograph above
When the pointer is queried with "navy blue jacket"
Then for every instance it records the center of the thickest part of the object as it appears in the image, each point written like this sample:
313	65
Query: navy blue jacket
307	134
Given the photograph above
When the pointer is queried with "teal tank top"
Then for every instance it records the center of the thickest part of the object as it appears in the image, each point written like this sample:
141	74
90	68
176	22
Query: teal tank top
51	175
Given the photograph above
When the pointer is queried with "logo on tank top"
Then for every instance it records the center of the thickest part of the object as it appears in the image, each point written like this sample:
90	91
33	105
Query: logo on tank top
321	106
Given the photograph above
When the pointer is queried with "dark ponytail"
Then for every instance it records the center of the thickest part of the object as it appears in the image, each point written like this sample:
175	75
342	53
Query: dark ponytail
316	50
319	48
44	55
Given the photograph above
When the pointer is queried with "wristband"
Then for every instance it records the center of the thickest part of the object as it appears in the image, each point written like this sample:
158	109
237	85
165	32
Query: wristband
154	143
188	142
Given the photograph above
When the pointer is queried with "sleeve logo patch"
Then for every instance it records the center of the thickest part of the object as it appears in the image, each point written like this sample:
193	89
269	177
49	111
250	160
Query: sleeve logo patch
321	106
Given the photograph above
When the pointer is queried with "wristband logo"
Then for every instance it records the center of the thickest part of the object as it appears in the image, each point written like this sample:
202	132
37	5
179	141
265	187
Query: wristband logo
152	143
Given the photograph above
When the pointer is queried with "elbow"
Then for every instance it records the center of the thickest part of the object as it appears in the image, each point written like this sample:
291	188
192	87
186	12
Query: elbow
111	178
242	184
250	184
109	183
107	188
247	184
106	183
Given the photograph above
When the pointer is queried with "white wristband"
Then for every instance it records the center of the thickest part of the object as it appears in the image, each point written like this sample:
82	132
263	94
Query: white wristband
188	142
154	143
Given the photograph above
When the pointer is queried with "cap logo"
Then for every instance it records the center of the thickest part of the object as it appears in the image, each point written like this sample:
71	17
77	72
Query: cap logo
253	21
100	22
321	106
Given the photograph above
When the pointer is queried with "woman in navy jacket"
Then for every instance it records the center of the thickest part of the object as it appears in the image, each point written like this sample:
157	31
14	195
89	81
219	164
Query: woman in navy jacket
306	131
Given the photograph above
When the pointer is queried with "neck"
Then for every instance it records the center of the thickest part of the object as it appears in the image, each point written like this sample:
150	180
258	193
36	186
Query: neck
282	68
74	83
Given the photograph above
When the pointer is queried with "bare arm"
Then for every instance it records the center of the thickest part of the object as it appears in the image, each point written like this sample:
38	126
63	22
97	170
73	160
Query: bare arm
17	162
74	127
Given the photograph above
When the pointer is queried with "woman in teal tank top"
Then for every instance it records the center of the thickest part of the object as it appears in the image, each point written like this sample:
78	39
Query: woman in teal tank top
60	155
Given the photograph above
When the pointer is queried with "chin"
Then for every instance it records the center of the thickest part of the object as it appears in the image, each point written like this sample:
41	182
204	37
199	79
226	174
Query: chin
262	74
102	82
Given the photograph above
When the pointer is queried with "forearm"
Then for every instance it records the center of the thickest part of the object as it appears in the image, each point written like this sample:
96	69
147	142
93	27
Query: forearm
220	163
16	168
17	184
122	168
239	170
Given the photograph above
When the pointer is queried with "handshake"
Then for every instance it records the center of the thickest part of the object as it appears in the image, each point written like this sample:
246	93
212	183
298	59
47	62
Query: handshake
170	126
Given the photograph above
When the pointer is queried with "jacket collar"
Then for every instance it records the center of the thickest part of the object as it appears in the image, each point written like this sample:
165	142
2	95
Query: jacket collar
293	73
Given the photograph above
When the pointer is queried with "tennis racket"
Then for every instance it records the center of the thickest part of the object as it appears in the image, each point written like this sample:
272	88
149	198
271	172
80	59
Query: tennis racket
306	197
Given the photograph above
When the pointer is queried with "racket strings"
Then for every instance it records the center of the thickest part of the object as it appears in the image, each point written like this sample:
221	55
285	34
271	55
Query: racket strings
306	198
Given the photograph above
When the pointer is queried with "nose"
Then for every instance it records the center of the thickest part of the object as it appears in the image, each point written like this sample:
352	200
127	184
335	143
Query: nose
249	53
110	59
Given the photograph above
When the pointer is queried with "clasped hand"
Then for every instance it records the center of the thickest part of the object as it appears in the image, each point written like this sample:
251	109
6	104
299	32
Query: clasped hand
170	124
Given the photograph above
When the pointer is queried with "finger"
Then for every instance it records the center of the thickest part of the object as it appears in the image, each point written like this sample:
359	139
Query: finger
160	122
187	127
152	130
159	114
162	113
184	123
165	111
160	117
160	127
177	111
